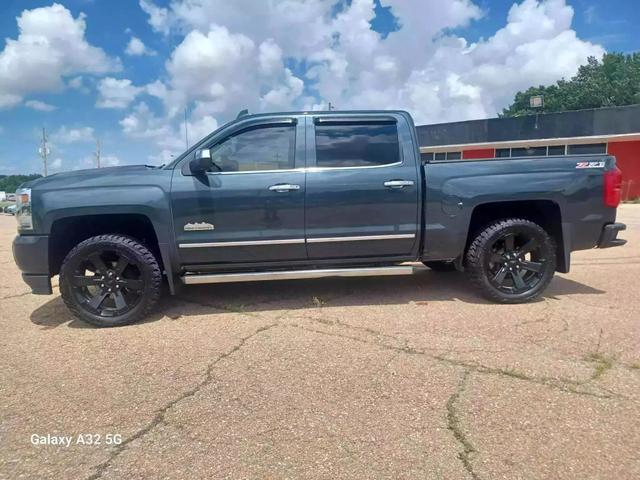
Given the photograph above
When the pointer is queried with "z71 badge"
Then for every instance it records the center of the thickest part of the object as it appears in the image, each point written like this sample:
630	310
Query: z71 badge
198	226
590	165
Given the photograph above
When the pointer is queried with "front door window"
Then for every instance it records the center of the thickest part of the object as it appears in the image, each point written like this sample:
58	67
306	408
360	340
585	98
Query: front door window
256	149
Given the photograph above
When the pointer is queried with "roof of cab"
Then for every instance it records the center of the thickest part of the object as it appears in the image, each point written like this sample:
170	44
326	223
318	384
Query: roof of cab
319	112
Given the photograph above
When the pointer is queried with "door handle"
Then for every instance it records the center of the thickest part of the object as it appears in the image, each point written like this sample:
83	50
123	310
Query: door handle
398	183
284	187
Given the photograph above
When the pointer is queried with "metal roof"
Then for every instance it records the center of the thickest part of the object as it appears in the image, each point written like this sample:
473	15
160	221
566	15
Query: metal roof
597	122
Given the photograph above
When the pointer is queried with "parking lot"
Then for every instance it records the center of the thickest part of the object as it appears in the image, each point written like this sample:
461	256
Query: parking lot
394	377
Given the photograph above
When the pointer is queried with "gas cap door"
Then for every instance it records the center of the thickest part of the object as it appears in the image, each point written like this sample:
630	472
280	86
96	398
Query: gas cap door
452	205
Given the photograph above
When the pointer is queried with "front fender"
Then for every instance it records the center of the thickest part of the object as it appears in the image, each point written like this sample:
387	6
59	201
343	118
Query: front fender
149	201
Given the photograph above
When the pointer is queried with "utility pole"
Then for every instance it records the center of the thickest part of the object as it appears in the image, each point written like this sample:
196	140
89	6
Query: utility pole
97	153
44	150
330	106
186	133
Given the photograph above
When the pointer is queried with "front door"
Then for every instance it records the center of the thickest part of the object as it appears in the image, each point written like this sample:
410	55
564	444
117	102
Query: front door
362	191
250	207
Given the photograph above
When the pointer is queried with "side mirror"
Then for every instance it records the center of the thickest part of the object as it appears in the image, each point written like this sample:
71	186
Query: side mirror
202	161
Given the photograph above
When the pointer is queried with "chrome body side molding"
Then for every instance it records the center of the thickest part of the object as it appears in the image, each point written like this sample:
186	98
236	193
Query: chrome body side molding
361	238
285	241
242	244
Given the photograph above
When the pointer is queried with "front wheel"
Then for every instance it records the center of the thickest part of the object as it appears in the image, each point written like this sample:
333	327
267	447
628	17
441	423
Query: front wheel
512	261
110	280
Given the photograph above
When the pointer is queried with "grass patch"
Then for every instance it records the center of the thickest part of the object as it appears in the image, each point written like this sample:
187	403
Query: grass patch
603	363
319	302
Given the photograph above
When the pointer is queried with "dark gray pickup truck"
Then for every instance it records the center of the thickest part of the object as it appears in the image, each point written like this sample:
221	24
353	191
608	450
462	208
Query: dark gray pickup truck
307	195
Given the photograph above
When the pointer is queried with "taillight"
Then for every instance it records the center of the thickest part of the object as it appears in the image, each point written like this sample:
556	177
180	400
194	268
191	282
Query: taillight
612	187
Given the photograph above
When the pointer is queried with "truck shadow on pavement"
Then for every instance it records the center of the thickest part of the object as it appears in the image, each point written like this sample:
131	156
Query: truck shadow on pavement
256	297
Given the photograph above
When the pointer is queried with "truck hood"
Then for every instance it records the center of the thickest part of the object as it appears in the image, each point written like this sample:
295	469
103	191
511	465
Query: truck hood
94	176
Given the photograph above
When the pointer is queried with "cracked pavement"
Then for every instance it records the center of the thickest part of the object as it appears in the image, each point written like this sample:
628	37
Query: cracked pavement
391	377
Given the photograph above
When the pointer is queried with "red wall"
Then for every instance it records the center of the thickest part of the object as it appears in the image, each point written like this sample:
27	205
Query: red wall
628	160
480	153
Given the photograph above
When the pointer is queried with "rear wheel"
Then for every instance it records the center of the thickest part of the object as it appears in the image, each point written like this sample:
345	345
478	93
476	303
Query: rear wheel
110	280
441	266
512	261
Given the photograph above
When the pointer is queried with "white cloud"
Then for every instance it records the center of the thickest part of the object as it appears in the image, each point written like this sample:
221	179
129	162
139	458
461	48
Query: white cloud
40	106
211	67
283	95
90	161
76	82
243	54
221	72
143	124
50	45
114	93
73	135
55	165
269	57
158	17
236	54
136	47
110	161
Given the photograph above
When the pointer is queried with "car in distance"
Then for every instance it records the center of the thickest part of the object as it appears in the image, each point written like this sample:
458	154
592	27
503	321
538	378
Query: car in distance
307	195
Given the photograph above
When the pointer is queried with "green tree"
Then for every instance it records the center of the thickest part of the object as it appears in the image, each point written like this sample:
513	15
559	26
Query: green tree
613	81
10	183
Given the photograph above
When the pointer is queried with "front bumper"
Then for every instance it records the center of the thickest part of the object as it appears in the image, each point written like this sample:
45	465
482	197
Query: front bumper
31	253
608	237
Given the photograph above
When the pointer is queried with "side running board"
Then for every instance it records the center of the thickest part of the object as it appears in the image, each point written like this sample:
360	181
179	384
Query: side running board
196	278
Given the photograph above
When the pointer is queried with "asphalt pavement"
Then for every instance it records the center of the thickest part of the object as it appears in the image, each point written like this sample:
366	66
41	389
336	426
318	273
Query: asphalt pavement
391	377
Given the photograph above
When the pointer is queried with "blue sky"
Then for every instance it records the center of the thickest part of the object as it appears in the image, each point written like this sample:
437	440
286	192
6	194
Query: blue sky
462	61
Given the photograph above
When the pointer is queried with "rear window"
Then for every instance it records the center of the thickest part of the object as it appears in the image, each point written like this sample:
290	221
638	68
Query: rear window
357	145
556	150
529	152
587	149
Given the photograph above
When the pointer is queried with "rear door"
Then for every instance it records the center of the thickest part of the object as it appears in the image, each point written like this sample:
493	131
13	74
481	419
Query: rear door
362	187
250	208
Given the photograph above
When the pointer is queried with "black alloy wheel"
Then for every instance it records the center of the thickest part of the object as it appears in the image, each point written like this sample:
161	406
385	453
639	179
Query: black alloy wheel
110	280
512	260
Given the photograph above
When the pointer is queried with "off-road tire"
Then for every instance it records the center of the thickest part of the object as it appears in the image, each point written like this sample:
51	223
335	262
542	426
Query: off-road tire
145	261
476	260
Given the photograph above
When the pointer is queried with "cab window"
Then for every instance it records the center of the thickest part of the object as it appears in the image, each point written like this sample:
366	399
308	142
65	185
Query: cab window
357	145
255	149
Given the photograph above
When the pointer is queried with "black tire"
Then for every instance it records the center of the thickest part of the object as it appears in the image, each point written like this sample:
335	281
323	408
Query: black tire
125	284
511	261
440	266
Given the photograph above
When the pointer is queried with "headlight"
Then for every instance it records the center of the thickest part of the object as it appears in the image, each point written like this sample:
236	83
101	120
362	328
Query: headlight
23	209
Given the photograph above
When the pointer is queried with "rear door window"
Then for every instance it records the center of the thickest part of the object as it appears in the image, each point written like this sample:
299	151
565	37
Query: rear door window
340	145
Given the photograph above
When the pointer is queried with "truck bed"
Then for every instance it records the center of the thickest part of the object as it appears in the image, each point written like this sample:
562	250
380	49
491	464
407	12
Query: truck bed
567	186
